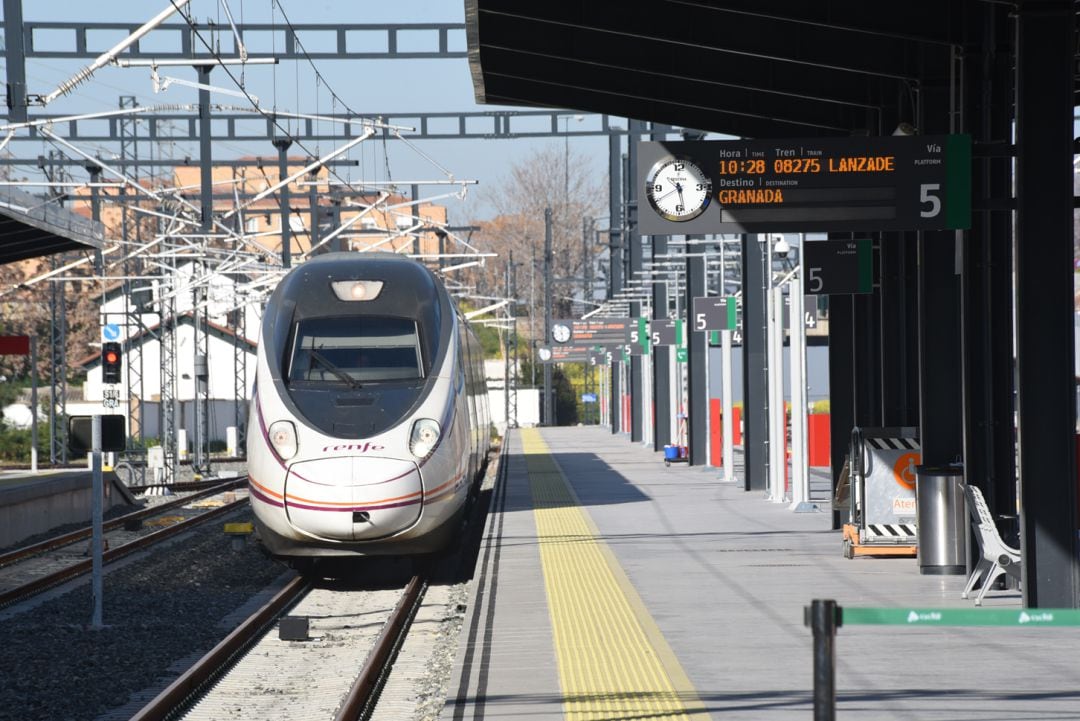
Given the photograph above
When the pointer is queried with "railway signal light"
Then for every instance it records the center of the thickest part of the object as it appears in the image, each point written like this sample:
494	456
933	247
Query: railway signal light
111	363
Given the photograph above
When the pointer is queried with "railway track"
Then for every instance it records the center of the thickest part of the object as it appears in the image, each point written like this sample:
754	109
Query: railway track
178	487
32	569
255	672
342	669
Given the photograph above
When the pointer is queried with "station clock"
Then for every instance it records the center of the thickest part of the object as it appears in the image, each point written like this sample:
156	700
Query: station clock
678	189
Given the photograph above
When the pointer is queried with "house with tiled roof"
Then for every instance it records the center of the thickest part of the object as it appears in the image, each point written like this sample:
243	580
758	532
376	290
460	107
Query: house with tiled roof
136	324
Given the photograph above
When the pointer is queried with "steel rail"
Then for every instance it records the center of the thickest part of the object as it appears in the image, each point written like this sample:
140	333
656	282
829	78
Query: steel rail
81	533
363	692
77	569
183	486
209	666
377	666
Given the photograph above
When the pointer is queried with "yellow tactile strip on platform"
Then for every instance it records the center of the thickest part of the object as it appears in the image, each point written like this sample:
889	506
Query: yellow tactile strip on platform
613	661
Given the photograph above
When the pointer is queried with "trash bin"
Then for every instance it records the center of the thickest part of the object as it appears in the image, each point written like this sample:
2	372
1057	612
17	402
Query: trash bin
941	516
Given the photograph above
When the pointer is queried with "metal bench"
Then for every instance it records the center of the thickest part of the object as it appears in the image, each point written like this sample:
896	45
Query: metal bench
996	558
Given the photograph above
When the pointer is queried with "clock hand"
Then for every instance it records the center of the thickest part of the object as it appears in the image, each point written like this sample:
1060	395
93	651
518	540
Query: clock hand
676	190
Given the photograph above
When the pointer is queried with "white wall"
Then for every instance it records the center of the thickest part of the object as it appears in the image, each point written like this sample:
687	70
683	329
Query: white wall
495	371
221	371
220	352
219	300
528	407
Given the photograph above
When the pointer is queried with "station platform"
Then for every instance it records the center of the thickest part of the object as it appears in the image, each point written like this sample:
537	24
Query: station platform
609	586
32	503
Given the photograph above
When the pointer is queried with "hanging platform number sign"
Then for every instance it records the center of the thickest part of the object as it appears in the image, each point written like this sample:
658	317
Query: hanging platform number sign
638	335
838	267
667	331
715	313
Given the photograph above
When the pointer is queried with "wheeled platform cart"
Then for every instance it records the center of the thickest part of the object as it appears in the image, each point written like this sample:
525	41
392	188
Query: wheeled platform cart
881	464
676	454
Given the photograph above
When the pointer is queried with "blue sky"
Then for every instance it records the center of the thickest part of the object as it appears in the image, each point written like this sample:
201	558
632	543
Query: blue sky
366	86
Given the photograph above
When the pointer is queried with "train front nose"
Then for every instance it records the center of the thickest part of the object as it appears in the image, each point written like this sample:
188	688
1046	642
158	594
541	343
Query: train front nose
353	498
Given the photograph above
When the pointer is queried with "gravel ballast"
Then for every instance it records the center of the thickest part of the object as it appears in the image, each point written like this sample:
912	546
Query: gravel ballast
157	610
161	612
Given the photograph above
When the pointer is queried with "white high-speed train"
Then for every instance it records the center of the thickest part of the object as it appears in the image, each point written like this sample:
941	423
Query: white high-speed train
369	423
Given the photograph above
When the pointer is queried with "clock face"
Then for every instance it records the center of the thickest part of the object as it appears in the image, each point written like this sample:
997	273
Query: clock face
678	189
545	354
560	333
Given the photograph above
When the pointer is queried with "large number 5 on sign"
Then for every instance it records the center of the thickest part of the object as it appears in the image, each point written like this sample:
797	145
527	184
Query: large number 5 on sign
926	196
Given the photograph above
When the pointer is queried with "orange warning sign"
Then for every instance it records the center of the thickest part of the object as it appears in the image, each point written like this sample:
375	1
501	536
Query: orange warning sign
904	469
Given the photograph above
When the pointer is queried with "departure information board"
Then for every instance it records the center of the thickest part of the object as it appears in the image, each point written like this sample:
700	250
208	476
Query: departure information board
581	341
563	353
592	332
918	182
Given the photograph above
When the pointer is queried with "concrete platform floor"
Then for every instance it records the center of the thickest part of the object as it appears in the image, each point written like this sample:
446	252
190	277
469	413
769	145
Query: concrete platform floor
722	576
35	503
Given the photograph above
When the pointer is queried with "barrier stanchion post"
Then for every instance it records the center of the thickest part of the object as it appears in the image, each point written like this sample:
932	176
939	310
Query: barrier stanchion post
823	617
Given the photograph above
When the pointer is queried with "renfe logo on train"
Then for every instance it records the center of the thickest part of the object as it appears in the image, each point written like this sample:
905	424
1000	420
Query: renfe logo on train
358	447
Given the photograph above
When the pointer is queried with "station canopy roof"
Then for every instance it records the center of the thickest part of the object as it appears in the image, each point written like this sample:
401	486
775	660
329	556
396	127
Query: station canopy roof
783	68
31	226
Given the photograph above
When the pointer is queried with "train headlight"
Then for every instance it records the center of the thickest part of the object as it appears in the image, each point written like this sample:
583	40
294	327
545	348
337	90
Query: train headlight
357	289
283	439
425	436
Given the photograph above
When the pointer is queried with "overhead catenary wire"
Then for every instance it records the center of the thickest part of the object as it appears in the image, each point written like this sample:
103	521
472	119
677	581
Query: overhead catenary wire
131	183
178	5
104	59
250	254
319	162
286	132
224	4
335	98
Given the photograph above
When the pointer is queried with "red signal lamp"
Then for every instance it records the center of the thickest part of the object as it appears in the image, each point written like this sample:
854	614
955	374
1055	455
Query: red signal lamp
111	365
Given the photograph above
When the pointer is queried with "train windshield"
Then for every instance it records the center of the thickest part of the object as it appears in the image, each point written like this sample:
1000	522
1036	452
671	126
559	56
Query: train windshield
356	350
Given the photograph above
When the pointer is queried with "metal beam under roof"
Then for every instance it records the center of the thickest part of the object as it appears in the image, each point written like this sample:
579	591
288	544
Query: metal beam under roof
31	226
785	71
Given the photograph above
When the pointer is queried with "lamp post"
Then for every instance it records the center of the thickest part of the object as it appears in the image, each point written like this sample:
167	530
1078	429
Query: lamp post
532	309
566	163
566	174
549	403
566	156
775	245
800	478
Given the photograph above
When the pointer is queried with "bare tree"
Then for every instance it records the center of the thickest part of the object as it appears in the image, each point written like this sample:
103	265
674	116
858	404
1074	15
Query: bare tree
552	177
